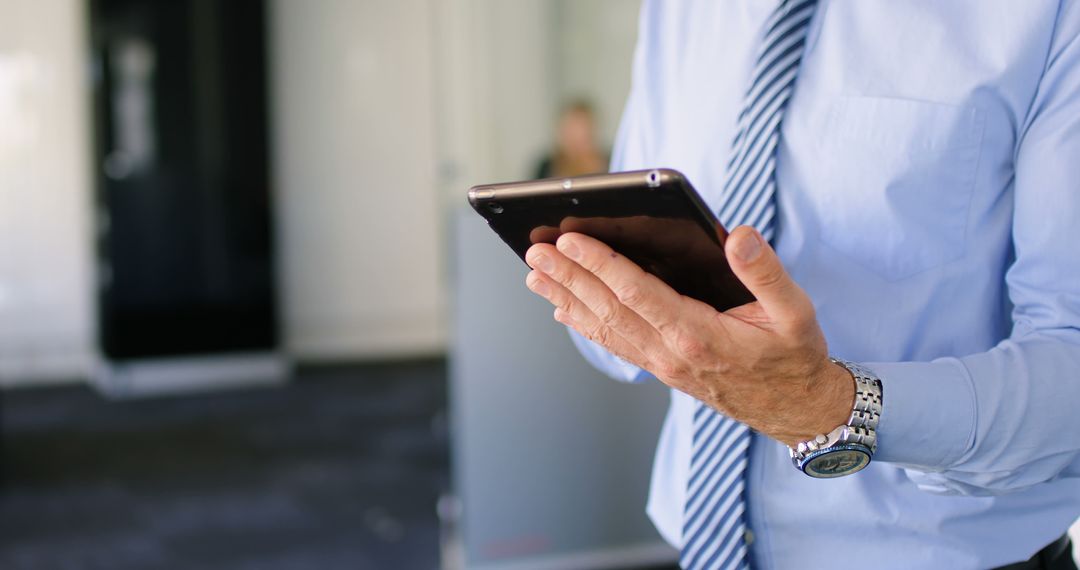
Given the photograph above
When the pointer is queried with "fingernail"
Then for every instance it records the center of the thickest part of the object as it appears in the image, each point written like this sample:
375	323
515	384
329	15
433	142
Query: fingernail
543	263
570	249
749	248
539	287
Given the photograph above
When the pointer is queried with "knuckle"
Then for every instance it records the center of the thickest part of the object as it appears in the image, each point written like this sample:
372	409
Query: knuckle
670	369
595	264
801	320
562	301
772	276
667	328
630	294
802	323
607	312
565	304
571	278
601	335
592	332
688	345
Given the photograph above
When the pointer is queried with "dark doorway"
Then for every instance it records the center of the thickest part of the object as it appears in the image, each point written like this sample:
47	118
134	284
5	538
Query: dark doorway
183	195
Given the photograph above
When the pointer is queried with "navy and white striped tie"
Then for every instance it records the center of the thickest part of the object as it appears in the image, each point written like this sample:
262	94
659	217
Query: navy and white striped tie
714	528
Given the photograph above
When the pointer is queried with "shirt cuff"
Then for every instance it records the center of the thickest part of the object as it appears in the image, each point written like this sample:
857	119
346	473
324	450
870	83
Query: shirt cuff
928	413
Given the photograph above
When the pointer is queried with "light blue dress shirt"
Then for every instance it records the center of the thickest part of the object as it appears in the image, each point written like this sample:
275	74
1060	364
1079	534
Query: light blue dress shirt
929	203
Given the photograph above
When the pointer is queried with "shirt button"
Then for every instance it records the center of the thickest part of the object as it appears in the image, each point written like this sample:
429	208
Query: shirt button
748	536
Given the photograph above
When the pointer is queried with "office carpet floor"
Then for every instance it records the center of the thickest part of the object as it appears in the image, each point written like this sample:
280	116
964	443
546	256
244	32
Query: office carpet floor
341	468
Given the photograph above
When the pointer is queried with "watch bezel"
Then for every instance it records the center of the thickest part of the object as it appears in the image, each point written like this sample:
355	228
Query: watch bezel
810	462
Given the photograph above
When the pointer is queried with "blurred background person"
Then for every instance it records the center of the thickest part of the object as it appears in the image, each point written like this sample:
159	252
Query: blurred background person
576	149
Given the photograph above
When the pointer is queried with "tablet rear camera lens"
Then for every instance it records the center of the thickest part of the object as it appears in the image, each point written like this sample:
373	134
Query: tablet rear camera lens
495	207
653	179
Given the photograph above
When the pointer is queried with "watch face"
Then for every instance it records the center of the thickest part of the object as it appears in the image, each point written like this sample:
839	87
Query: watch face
837	461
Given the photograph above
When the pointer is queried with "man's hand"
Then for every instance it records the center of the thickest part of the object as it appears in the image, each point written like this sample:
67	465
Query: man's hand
765	364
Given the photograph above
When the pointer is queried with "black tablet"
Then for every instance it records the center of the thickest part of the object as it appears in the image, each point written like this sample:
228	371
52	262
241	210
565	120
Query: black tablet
653	217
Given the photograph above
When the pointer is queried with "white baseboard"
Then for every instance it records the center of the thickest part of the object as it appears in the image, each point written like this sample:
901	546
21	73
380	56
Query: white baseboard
634	556
397	336
182	375
27	368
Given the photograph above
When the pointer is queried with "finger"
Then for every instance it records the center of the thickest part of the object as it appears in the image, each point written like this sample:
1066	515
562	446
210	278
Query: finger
594	296
644	293
570	311
544	234
758	267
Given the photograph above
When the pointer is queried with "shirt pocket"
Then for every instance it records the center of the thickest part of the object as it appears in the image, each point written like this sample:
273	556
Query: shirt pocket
896	179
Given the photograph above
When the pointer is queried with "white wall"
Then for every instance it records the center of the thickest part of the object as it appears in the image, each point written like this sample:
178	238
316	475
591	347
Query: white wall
594	44
46	308
497	90
355	171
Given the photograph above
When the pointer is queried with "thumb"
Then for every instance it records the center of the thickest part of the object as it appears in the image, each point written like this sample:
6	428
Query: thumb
755	264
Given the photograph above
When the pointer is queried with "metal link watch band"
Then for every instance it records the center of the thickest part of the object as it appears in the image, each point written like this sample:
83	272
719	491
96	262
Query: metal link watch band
866	411
849	447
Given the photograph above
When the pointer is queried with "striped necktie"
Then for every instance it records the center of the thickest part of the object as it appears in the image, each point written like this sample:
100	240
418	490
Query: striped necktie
714	527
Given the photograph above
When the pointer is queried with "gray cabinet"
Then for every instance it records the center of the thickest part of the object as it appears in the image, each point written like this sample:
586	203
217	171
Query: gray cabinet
551	459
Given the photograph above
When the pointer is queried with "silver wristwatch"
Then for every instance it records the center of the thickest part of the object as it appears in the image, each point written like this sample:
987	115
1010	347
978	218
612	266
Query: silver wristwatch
849	447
